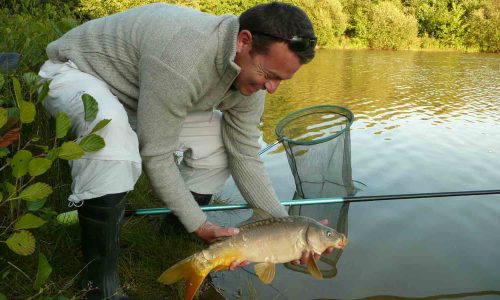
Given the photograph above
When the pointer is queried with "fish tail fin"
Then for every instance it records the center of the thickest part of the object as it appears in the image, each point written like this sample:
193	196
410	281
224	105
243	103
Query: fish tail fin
188	269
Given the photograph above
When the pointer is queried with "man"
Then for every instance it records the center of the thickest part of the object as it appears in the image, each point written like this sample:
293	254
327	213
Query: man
169	69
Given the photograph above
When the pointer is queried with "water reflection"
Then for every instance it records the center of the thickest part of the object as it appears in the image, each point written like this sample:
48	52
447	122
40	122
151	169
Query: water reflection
425	122
382	88
490	294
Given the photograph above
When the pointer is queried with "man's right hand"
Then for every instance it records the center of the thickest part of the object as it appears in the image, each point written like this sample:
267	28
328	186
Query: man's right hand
209	231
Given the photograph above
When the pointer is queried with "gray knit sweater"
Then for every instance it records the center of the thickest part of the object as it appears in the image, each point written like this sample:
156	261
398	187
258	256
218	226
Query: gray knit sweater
164	61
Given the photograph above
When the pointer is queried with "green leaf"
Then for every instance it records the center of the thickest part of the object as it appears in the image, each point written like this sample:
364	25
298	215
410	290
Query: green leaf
53	153
35	205
27	111
100	125
44	270
4	152
36	191
4	275
2	296
29	221
4	116
2	80
38	166
30	78
60	297
63	123
11	189
90	106
22	243
17	90
92	143
44	92
1	197
68	218
44	148
71	150
13	112
20	163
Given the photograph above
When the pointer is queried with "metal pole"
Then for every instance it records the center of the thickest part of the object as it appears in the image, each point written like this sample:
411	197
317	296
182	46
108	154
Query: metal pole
159	210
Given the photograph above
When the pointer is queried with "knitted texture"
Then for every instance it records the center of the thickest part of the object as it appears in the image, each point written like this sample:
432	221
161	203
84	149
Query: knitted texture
163	61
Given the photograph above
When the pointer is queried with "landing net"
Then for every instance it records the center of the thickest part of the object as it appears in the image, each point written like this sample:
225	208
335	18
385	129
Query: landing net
318	149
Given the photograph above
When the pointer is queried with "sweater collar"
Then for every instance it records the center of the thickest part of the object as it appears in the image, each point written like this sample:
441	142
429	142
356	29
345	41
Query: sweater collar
228	33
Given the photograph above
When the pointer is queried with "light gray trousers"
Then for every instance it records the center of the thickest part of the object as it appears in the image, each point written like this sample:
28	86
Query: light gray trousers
115	169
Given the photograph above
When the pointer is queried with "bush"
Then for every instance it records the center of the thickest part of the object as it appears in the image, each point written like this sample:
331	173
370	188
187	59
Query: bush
27	155
235	7
100	8
432	17
453	30
390	27
28	31
328	18
483	30
445	20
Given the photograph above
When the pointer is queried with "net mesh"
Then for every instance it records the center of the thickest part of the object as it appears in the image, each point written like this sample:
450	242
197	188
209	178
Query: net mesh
318	149
317	145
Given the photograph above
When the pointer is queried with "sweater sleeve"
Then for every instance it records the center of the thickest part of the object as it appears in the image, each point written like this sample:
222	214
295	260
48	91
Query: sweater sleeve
240	134
165	97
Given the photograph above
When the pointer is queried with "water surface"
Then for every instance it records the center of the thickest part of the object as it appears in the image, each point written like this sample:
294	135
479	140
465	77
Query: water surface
424	122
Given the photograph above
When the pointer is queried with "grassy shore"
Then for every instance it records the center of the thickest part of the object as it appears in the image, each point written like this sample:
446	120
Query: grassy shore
146	252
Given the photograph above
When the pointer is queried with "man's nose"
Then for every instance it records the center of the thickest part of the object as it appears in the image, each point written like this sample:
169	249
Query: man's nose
272	85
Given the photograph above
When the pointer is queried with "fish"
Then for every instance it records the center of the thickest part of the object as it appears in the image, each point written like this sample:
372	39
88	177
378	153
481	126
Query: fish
265	242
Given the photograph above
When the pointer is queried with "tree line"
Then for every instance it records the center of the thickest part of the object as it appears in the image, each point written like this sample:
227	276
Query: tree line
471	25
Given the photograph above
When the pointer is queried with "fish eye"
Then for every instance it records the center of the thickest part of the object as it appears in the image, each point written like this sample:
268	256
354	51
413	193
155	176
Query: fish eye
328	233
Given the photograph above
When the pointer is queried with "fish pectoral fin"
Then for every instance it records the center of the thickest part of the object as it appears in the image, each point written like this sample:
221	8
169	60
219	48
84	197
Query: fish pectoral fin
265	272
313	268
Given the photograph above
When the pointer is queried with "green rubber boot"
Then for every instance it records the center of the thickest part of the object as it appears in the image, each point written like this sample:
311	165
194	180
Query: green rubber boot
100	223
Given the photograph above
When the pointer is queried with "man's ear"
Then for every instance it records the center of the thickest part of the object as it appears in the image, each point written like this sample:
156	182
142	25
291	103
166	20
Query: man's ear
244	41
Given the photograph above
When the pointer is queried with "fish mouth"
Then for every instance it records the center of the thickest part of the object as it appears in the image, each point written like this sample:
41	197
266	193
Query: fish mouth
342	242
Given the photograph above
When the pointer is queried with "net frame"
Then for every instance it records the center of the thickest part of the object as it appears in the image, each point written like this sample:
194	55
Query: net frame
283	123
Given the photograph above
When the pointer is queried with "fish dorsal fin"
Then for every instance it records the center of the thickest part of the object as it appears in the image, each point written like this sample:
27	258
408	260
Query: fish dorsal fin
265	271
258	215
312	267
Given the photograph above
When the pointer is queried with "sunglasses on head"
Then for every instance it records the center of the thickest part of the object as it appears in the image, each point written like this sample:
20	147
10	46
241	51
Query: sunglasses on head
296	43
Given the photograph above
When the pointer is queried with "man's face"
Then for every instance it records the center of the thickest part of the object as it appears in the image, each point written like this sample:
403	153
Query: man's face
263	71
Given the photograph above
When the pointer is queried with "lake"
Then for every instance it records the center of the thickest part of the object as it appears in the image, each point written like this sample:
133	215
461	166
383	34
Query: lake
424	122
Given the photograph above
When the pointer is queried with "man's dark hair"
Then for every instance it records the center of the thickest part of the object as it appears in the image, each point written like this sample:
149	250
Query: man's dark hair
278	22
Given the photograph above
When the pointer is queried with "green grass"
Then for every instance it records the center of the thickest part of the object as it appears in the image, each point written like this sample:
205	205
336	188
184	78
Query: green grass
146	253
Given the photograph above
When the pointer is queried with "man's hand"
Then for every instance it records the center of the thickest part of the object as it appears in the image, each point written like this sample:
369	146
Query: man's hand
209	231
305	256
